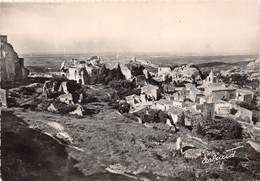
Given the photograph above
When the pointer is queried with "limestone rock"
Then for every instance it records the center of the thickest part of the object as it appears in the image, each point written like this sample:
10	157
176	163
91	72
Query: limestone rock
51	108
66	98
12	67
63	87
64	137
192	153
78	111
253	69
186	73
179	144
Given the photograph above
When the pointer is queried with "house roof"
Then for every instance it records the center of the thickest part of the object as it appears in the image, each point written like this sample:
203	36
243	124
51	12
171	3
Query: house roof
244	91
149	87
216	89
164	102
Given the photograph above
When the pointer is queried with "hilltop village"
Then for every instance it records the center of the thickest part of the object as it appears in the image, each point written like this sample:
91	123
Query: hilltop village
138	117
182	92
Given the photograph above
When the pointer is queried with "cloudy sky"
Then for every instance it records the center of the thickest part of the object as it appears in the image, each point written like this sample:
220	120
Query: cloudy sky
177	27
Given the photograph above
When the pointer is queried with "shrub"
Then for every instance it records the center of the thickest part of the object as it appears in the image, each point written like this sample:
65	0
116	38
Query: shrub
124	107
225	128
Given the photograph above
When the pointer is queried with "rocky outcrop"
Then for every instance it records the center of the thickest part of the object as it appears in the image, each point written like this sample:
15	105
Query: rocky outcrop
12	67
56	87
92	71
253	69
51	108
187	73
78	111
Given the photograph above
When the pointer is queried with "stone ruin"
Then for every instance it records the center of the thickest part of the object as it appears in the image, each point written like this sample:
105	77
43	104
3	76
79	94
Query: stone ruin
12	67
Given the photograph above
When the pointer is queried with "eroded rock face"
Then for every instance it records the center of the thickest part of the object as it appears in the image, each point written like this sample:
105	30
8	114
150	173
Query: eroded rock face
12	67
186	74
253	69
54	88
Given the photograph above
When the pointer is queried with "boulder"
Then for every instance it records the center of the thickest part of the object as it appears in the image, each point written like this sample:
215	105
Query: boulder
78	111
50	89
179	144
58	127
66	98
187	73
63	88
51	108
65	137
193	153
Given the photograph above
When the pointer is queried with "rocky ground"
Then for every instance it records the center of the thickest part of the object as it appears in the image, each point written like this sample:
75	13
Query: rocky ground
95	143
106	145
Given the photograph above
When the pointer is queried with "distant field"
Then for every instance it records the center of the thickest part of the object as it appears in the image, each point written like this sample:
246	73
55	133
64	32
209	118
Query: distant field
52	62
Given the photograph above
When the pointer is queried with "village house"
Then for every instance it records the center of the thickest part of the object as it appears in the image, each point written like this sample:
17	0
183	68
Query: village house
151	91
192	92
215	93
222	108
180	89
207	109
163	104
226	109
244	95
241	114
200	98
168	88
179	104
191	116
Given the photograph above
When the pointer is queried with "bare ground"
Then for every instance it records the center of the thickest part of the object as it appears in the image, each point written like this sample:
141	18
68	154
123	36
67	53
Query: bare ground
108	138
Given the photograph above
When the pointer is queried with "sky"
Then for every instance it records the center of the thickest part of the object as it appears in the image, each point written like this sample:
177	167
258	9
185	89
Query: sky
182	27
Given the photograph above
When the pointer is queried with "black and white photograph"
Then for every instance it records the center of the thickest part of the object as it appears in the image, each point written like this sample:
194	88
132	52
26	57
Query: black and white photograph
130	90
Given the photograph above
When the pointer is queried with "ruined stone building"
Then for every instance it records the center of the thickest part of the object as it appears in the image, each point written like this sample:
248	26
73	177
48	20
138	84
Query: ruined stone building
244	95
12	67
220	92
